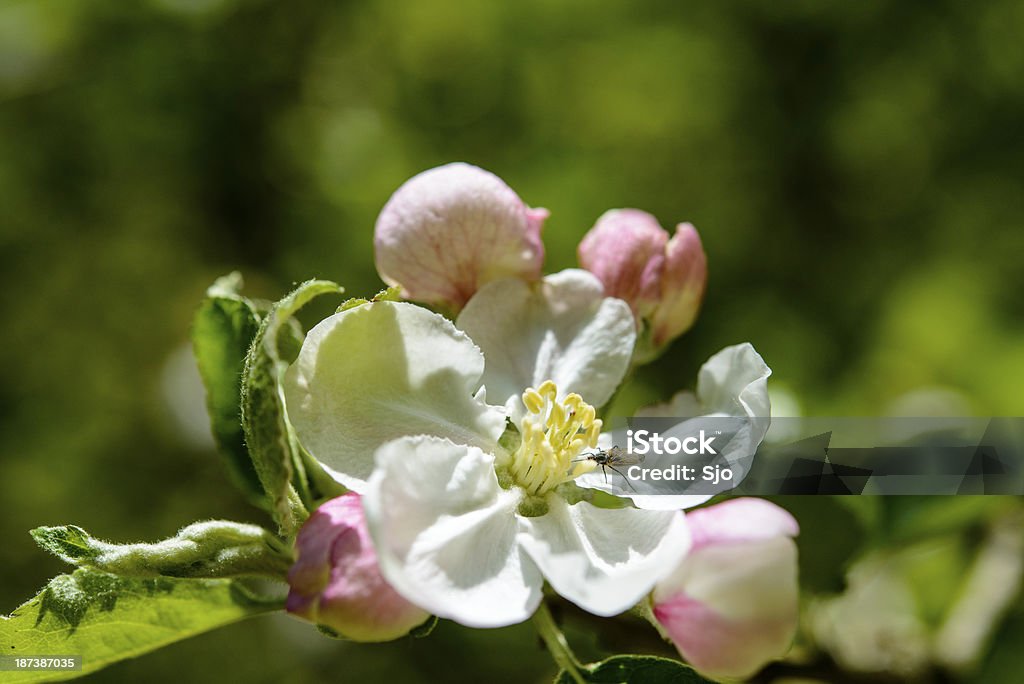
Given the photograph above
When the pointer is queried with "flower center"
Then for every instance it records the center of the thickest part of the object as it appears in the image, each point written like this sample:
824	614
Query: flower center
554	433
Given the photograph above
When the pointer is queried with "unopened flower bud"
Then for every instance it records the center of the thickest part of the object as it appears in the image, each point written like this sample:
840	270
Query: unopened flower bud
336	581
662	279
451	229
682	285
731	605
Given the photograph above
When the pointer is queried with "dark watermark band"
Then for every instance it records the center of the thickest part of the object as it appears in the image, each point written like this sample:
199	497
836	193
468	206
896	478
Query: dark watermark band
833	456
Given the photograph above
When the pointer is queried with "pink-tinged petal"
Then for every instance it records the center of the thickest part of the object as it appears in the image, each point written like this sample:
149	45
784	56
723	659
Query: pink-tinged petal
682	285
731	605
662	279
535	218
718	646
740	520
450	229
336	581
626	251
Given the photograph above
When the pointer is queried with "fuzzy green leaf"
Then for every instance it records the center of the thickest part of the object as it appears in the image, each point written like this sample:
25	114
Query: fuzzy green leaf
628	669
70	543
275	451
222	332
104	618
214	548
636	670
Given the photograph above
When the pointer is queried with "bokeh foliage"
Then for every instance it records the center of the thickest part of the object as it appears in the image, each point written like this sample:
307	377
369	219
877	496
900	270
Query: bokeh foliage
855	170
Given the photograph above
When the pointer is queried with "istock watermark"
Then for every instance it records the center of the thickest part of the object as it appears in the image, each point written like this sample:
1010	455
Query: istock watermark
852	456
679	456
644	441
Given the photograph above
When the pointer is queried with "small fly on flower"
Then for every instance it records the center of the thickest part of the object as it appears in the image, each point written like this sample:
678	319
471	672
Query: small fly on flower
609	459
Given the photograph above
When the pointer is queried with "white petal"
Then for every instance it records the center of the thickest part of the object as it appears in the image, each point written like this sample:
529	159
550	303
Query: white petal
381	371
445	533
683	405
564	330
734	382
604	560
667	502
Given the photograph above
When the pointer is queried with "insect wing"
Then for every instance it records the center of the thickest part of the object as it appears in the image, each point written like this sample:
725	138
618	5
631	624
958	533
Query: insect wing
617	457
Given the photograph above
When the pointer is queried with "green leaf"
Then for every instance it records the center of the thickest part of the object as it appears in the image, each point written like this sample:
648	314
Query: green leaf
629	669
273	447
222	332
214	548
104	618
70	543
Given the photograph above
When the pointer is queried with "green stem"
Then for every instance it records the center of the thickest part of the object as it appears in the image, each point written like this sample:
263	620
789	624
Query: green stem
556	643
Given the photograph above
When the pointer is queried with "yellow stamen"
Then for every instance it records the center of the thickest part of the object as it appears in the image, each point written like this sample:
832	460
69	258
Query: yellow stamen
554	434
533	401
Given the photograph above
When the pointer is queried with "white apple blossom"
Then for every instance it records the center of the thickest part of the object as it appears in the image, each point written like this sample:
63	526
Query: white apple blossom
472	505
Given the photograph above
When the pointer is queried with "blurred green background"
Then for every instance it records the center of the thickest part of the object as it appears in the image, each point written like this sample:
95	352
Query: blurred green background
855	171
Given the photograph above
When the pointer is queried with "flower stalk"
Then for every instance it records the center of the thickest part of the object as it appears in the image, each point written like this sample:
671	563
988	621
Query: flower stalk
556	643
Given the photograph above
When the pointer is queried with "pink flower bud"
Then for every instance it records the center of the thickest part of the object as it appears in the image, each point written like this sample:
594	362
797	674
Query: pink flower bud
336	581
682	285
662	279
731	605
450	229
626	251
